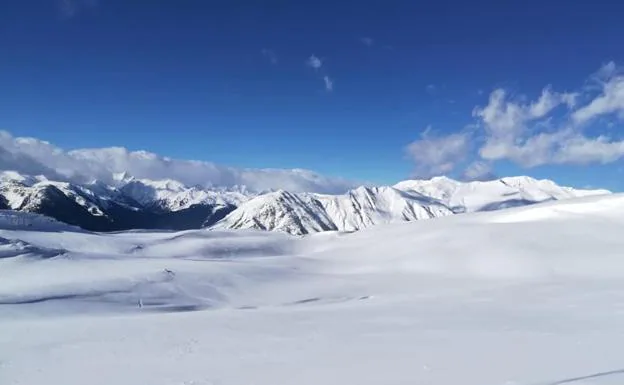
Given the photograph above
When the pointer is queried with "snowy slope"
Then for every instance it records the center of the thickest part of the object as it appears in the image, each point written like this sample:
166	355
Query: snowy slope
308	213
529	295
368	206
492	195
406	201
28	197
169	204
102	207
282	211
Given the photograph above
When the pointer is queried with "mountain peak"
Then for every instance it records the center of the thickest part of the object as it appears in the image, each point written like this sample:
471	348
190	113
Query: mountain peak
443	179
281	209
304	213
123	177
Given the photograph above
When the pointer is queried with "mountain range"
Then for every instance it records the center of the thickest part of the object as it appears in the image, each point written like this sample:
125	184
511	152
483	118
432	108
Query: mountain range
131	203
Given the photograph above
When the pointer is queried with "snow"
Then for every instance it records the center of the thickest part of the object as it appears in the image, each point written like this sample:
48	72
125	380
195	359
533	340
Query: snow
304	213
14	220
28	195
282	210
368	206
12	176
492	195
523	296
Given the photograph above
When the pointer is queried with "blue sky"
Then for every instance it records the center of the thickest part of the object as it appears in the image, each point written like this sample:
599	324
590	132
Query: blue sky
375	91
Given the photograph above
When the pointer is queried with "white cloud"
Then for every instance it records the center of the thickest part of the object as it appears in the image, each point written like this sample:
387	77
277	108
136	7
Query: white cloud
579	149
314	62
270	55
329	83
317	64
548	100
565	146
478	171
33	157
368	41
524	132
505	122
536	150
607	71
610	101
435	155
547	130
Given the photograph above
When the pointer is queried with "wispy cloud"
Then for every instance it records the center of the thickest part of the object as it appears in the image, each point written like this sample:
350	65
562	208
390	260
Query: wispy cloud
512	129
606	71
329	83
367	41
550	129
314	62
610	100
318	66
435	155
270	55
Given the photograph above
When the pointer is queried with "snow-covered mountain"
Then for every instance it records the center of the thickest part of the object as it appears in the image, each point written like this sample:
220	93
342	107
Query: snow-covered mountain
406	201
130	203
308	213
281	210
101	207
171	195
105	189
492	195
94	206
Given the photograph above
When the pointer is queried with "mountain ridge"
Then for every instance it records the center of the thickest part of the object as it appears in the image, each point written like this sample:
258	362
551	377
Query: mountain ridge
133	203
405	201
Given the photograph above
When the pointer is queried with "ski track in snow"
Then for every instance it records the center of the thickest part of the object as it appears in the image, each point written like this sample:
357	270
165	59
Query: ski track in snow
525	296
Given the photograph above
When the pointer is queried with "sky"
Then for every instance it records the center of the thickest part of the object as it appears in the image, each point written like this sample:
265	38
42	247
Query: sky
373	91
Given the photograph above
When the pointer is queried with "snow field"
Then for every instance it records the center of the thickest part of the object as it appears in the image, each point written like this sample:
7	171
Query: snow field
525	296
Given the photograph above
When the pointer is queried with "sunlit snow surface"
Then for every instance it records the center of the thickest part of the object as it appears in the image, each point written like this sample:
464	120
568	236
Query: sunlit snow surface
532	295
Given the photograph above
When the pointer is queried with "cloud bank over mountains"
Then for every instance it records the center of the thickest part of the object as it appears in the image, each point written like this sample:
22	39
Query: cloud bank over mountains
36	157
